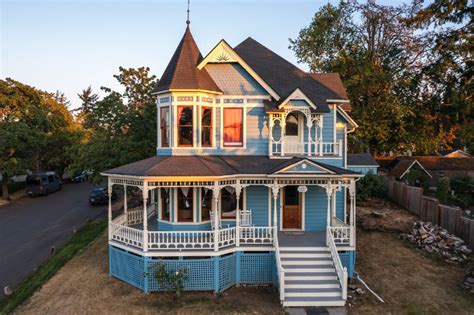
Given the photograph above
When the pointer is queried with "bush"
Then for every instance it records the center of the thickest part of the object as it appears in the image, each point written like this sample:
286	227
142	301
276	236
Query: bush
171	280
14	187
418	178
463	188
442	191
370	186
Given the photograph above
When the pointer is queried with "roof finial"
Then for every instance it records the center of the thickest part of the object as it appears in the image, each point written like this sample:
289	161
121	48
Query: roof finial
188	21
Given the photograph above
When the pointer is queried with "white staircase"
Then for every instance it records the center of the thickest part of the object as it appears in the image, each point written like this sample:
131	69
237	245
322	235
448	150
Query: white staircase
309	277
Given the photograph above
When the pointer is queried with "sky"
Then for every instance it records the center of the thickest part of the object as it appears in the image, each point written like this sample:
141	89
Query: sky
70	44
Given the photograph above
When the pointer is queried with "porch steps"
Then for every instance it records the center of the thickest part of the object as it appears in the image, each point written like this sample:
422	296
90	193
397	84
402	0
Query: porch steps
310	277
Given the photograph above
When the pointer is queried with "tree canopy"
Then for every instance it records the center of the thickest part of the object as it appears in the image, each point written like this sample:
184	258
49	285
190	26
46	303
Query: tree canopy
410	84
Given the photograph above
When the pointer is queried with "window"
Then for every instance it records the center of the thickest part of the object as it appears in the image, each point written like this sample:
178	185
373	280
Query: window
206	127
291	128
185	126
233	127
206	204
165	203
165	126
229	203
185	204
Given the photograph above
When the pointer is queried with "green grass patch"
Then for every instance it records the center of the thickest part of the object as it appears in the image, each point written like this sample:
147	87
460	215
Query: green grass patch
80	240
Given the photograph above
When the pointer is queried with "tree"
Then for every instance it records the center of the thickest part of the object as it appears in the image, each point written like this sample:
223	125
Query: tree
121	128
403	96
35	130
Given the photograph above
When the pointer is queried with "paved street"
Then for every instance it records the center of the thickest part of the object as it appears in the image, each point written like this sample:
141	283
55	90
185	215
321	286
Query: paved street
30	226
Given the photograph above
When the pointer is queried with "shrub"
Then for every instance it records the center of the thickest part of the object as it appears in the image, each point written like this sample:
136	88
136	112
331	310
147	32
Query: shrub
463	188
171	280
442	191
370	186
418	178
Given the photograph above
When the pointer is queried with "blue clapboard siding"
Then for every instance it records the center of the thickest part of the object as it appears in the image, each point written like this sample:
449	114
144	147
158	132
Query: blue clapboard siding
340	205
348	260
166	226
315	209
257	200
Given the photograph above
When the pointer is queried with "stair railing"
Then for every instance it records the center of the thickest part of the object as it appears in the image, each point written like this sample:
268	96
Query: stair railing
340	269
280	269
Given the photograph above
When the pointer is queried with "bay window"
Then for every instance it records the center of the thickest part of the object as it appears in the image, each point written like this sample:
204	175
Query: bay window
206	204
233	127
165	127
185	204
185	126
206	127
229	203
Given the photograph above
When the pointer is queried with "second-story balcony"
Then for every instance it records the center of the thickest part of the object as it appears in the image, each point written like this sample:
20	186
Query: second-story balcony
313	148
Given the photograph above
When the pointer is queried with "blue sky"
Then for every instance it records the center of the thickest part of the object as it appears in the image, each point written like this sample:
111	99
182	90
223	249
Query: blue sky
69	45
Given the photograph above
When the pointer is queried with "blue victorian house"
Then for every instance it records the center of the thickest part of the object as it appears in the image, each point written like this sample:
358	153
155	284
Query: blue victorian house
250	183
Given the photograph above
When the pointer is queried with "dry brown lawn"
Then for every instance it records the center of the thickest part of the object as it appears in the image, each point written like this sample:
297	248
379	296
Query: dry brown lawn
409	281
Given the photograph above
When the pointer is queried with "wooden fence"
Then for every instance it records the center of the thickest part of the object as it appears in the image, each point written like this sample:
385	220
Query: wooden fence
430	209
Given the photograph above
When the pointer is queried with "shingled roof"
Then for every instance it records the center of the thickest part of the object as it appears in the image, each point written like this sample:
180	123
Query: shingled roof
182	72
285	78
212	165
359	159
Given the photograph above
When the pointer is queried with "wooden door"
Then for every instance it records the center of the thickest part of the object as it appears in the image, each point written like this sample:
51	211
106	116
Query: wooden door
291	208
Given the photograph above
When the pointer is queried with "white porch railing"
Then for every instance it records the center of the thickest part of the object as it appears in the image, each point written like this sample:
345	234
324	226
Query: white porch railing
317	148
125	234
180	240
227	237
135	216
280	269
340	269
256	235
342	232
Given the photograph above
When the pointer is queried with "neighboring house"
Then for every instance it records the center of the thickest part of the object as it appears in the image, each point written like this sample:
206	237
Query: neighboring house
403	168
362	162
435	166
458	154
250	183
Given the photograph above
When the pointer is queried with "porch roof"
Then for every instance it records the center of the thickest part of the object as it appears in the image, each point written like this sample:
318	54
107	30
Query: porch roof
213	165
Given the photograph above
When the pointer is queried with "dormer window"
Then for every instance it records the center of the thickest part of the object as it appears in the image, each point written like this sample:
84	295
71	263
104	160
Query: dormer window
185	126
206	127
233	127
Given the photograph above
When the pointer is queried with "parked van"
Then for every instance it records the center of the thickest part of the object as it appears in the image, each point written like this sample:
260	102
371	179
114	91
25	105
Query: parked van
42	183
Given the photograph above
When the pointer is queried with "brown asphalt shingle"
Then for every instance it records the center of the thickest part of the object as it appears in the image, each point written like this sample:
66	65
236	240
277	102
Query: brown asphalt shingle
182	72
211	165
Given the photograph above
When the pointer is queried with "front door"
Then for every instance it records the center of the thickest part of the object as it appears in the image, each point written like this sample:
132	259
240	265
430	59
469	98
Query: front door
291	208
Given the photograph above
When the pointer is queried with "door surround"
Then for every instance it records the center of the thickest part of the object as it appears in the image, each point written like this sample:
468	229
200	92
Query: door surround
301	197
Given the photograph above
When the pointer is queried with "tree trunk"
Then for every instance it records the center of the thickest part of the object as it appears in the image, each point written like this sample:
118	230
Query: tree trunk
5	193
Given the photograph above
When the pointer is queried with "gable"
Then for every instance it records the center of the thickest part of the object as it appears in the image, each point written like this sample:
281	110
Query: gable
223	53
298	98
304	167
233	79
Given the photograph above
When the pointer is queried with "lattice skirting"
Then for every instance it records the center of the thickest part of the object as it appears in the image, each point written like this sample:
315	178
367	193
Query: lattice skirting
203	274
348	260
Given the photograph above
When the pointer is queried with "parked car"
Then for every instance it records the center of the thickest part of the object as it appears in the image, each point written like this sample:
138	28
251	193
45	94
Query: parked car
99	196
42	184
81	177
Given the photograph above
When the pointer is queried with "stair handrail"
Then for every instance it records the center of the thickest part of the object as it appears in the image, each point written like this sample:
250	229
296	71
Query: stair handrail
280	269
340	269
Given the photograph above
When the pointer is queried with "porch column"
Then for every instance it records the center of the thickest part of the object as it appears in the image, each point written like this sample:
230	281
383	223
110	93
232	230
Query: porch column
125	203
309	125
217	213
329	193
109	192
238	190
145	217
283	126
270	135
320	136
275	191
352	194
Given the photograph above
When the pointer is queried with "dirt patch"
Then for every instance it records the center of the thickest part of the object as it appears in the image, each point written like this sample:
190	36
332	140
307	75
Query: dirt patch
408	281
384	216
83	286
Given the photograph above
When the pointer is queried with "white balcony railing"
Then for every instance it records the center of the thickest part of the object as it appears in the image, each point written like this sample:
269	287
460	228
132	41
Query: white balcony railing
342	233
313	148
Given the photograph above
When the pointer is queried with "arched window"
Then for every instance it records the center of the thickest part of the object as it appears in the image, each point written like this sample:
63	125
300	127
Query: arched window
291	128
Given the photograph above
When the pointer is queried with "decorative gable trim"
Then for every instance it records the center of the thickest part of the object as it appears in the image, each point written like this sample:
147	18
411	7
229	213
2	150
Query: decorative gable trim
304	166
346	117
224	53
297	94
411	165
